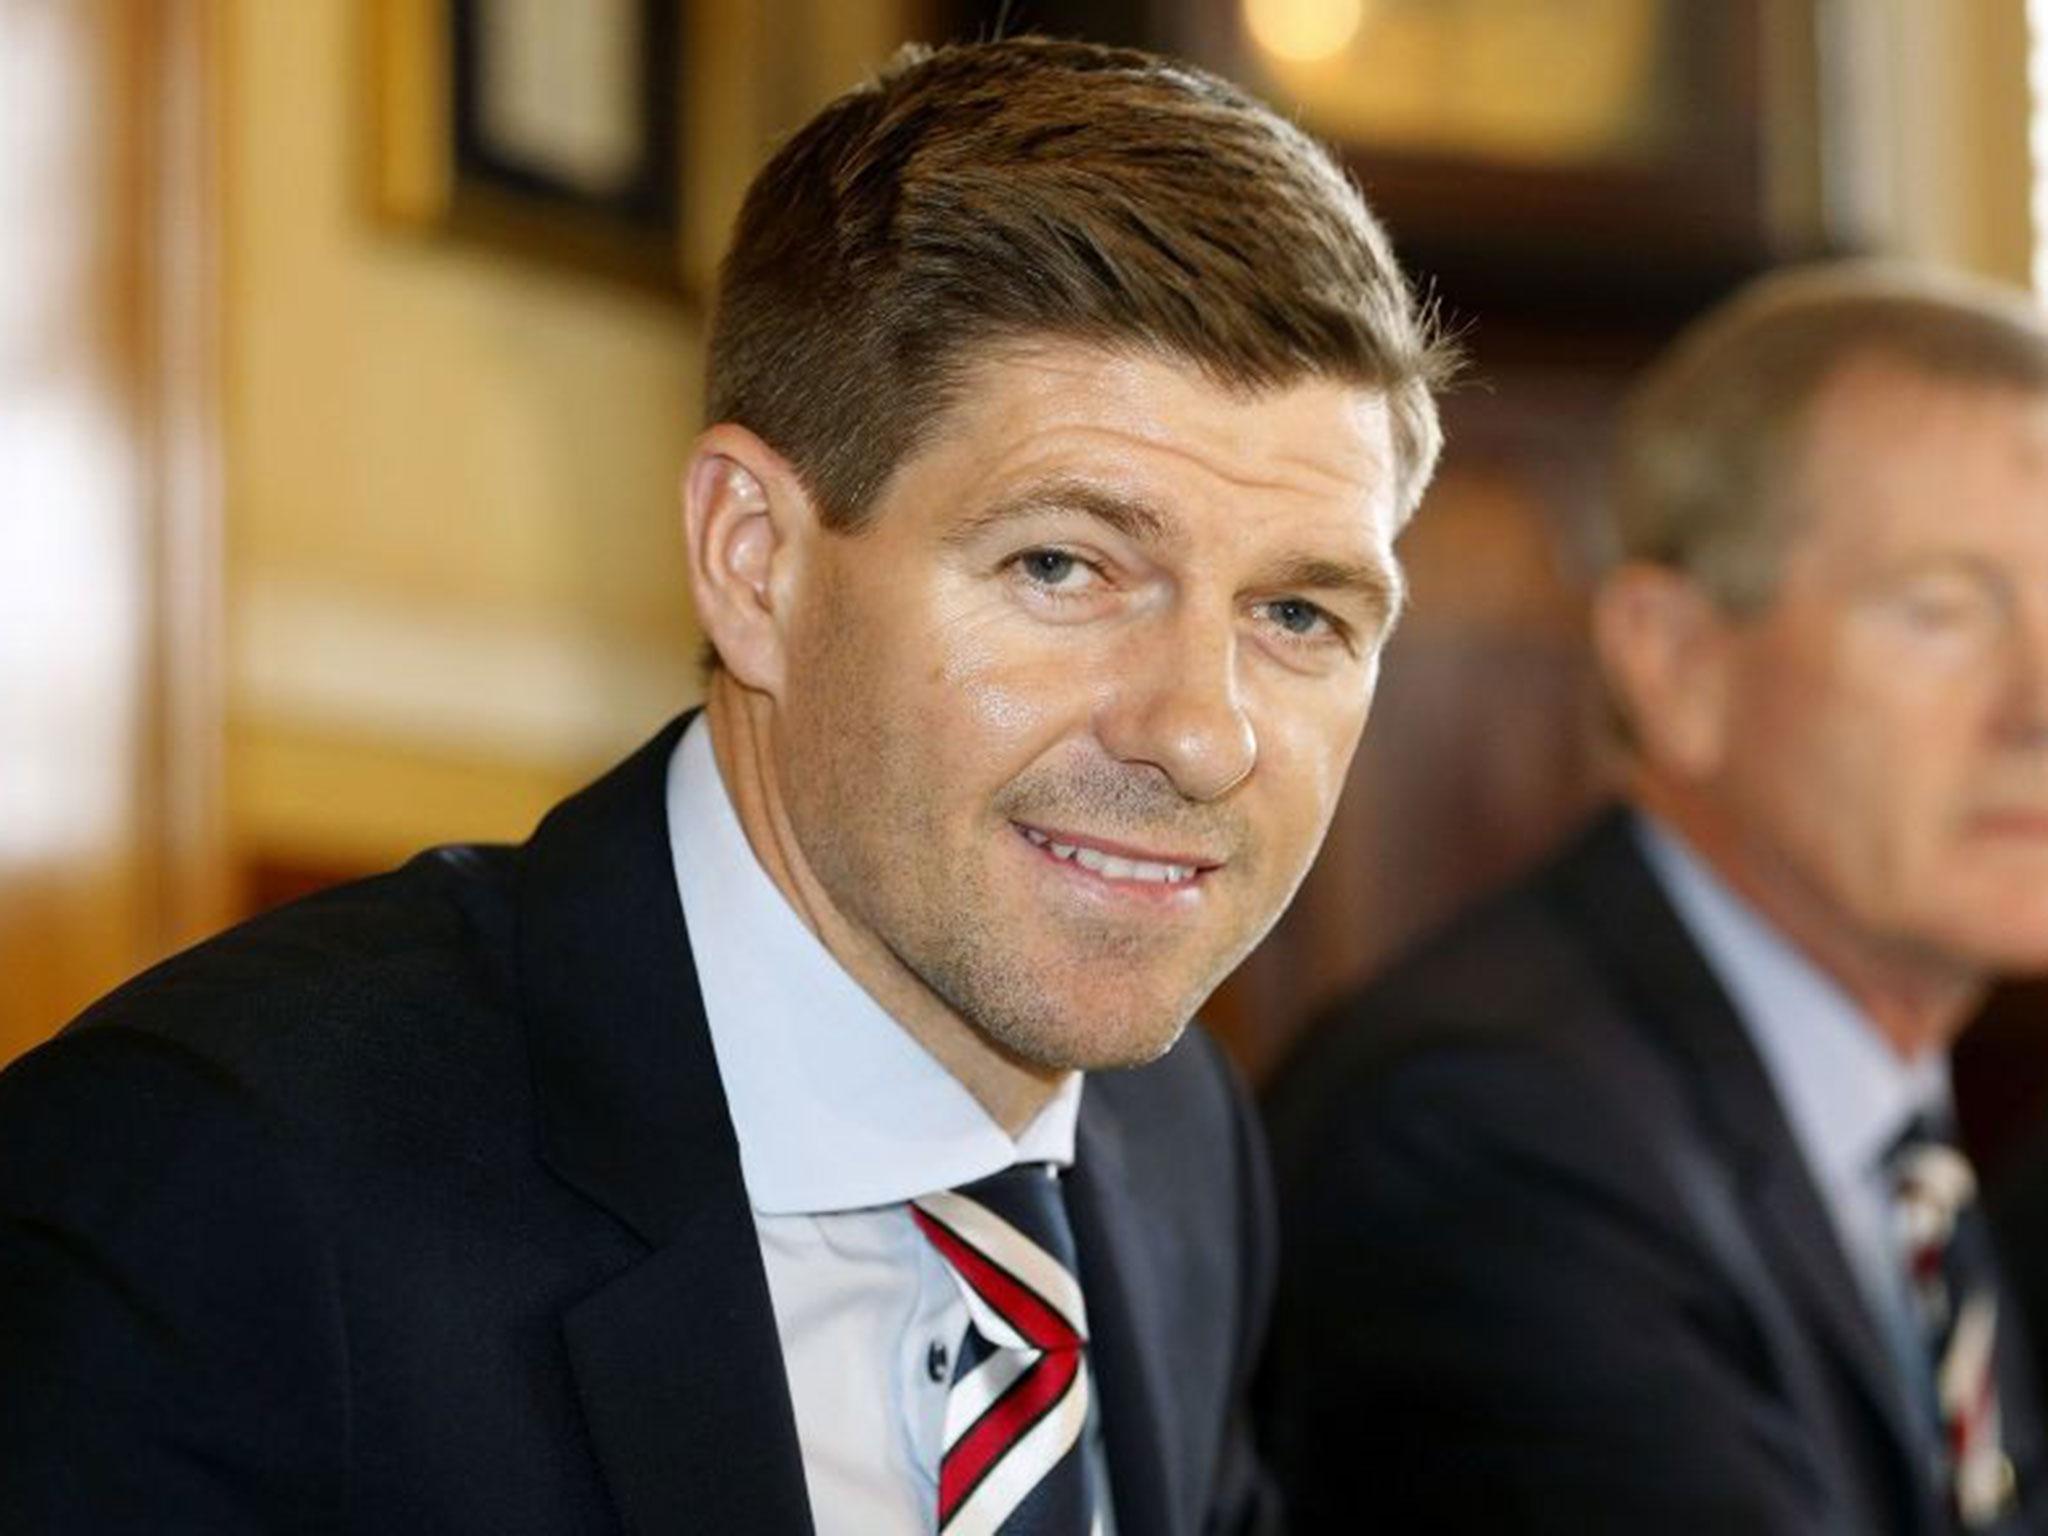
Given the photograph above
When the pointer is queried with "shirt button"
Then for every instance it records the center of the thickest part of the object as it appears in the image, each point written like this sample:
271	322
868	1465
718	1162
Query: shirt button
935	1360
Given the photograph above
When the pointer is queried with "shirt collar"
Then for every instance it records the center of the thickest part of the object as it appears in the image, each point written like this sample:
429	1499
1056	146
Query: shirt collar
835	1106
1846	1092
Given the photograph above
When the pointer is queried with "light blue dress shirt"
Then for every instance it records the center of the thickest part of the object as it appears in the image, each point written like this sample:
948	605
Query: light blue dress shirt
1846	1093
841	1119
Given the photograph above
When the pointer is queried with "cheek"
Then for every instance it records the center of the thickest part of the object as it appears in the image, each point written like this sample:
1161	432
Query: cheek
1865	779
998	690
1917	744
1925	713
1307	739
984	698
953	709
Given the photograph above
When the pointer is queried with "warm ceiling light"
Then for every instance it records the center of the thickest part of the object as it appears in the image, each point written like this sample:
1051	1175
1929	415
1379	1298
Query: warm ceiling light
1303	31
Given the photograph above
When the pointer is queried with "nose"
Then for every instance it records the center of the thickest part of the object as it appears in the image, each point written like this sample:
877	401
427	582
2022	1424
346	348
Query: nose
1174	702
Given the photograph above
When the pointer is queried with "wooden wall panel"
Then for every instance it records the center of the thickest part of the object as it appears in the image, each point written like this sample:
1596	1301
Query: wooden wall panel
106	513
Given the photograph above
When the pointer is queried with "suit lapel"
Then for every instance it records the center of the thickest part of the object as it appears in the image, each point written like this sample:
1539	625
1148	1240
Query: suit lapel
1128	1346
676	1359
1669	987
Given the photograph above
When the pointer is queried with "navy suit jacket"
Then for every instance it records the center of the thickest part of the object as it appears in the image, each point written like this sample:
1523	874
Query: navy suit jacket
416	1208
1554	1262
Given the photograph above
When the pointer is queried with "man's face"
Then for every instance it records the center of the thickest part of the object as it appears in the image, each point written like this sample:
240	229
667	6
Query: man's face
1887	736
1065	724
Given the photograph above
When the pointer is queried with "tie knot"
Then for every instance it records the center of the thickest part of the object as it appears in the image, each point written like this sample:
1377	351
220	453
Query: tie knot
1930	1172
1954	1291
1008	1243
1028	1196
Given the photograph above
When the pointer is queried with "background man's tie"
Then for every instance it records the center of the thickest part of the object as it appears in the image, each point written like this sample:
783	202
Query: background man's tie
1955	1290
1013	1460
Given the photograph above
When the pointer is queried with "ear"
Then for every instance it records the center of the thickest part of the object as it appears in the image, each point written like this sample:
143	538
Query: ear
747	523
1665	649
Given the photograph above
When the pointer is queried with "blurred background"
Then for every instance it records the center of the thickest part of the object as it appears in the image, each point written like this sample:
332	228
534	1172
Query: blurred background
349	350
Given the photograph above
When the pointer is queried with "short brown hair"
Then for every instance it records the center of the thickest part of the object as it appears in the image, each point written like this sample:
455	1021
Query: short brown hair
1023	188
1706	469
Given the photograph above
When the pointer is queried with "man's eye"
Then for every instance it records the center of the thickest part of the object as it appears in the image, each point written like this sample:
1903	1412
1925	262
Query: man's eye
1946	607
1298	617
1940	612
1053	568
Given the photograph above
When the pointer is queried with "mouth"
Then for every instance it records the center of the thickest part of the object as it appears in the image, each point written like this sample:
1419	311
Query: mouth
1119	864
2013	822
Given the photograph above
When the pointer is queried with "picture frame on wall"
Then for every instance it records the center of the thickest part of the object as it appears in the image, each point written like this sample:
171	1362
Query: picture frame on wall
546	131
1583	157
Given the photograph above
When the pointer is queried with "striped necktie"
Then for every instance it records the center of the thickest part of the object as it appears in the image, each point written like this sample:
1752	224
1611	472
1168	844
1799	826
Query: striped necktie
1013	1462
1954	1287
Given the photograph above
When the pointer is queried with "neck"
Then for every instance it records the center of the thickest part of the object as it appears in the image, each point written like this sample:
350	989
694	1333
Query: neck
1917	999
742	723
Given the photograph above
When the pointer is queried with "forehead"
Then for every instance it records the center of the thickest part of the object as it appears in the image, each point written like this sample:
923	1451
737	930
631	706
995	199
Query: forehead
1163	428
1894	457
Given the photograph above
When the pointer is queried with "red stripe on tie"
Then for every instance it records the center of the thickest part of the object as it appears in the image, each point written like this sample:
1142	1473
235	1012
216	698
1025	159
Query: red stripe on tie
1973	1417
1008	1420
1020	1306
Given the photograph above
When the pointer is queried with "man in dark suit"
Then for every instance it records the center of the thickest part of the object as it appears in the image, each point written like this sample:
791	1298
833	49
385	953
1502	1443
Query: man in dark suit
792	1134
1626	1203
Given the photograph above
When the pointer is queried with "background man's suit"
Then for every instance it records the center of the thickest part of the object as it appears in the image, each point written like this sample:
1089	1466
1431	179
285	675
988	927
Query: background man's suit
1558	1259
416	1207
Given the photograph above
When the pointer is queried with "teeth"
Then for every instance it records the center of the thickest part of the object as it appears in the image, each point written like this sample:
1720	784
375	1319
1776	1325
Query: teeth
1111	866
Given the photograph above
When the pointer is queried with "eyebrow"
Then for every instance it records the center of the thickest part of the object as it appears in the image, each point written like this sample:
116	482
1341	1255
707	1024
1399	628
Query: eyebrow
1381	586
1915	565
1137	520
1967	562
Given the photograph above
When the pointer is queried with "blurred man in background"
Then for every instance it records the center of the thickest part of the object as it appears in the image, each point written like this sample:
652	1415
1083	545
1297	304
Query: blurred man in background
1630	1202
719	1160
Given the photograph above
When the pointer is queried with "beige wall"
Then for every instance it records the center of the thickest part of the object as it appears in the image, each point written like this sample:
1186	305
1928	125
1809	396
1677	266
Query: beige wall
450	487
455	579
109	740
1930	107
